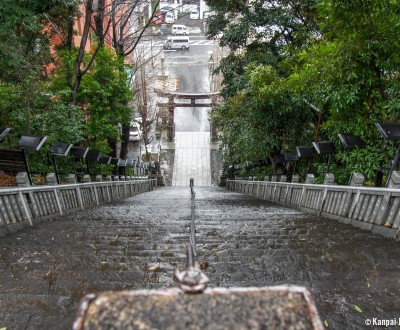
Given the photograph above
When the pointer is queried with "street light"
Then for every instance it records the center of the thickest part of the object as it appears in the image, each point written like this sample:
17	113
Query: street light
249	166
103	160
325	148
391	132
130	163
292	156
27	142
351	142
279	164
122	164
59	149
305	152
3	132
91	157
30	143
78	153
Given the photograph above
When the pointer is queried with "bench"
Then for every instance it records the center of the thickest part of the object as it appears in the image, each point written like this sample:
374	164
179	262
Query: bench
12	161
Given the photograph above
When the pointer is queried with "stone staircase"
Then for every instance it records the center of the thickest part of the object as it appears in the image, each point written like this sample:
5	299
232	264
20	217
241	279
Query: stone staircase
137	243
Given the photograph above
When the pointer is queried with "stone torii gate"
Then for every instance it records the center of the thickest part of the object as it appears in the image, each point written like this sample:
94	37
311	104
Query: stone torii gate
173	102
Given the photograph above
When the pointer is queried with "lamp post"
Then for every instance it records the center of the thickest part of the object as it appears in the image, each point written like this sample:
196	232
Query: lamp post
78	153
325	148
59	149
350	142
292	156
305	152
3	132
104	160
91	157
30	143
391	132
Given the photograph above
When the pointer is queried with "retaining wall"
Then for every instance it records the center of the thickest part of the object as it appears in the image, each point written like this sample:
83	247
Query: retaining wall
20	207
375	209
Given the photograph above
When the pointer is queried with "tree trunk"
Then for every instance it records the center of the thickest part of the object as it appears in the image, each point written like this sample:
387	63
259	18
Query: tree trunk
70	29
99	20
81	53
125	141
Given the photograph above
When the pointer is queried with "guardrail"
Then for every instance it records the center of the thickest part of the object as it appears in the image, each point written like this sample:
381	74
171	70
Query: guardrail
375	209
19	207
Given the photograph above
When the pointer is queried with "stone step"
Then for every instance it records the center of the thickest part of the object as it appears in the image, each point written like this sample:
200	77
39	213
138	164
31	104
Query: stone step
46	305
138	243
33	322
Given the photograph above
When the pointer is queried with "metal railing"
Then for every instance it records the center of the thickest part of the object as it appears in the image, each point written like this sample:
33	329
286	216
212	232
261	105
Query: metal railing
21	206
376	209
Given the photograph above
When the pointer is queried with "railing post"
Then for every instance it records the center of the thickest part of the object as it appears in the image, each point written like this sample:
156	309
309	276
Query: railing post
79	195
58	201
96	195
25	208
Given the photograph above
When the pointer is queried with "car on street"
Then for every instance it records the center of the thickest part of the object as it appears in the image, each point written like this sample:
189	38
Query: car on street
179	29
135	133
158	18
208	14
194	14
177	42
169	17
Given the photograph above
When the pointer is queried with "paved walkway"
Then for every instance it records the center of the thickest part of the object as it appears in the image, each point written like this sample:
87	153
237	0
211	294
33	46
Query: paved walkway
137	243
192	159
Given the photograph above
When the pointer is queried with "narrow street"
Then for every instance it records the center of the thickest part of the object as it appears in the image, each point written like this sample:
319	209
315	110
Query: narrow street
188	72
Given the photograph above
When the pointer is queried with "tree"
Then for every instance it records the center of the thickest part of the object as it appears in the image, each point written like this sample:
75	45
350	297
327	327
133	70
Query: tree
263	117
266	32
353	75
127	34
260	113
334	71
105	93
24	53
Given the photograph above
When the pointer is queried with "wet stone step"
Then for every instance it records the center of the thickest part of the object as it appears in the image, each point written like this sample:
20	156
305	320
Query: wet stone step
27	286
37	322
34	304
137	244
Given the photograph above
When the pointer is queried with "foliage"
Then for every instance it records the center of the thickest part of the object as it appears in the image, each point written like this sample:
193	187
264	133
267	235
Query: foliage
21	44
293	63
261	118
33	103
105	92
352	73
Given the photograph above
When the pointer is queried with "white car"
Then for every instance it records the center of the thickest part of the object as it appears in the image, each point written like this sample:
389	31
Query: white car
169	17
177	43
135	133
194	14
179	29
208	14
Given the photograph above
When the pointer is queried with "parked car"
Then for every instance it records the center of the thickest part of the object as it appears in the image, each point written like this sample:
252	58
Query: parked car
165	10
179	29
135	133
169	17
194	14
158	18
177	42
208	14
